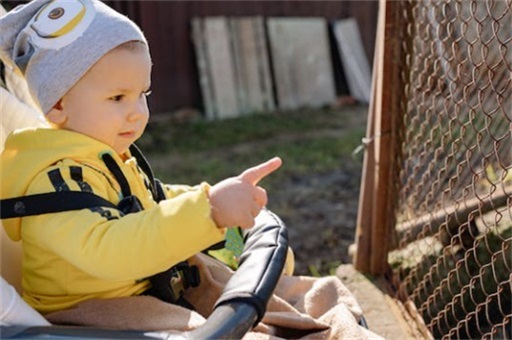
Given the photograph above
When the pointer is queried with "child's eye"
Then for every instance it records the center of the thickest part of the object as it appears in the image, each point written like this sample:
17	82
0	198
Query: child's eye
117	98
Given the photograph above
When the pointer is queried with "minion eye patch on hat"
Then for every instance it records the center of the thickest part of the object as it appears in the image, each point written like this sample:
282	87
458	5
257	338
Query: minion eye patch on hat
60	22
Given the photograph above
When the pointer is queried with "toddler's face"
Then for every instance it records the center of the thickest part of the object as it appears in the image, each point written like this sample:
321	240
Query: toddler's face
109	102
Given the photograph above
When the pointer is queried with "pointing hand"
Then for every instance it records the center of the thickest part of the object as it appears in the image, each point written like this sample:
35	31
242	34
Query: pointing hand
236	201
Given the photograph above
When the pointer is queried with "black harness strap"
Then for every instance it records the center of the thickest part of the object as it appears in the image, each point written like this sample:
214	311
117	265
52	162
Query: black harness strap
50	202
156	187
114	168
77	176
58	181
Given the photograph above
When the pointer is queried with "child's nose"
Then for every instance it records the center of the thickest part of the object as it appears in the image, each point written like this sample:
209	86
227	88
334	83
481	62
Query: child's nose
140	110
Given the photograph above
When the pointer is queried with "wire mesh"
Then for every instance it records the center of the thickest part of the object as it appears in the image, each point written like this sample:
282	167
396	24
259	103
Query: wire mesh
452	253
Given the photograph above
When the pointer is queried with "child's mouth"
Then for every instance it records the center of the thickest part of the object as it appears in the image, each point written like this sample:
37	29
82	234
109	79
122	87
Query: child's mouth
127	134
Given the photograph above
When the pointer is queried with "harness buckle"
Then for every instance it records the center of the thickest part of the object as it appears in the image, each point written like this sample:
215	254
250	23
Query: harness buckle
170	285
177	284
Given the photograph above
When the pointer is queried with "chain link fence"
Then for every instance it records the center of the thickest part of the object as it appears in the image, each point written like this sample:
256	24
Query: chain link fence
451	251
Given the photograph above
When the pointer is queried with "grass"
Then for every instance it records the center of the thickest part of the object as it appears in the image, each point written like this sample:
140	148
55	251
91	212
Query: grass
307	141
207	135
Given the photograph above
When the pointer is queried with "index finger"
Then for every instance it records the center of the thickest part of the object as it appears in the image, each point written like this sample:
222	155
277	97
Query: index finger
257	173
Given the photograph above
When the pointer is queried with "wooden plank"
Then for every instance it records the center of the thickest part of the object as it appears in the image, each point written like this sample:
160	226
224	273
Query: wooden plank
380	227
301	61
363	238
237	35
364	224
390	92
376	213
266	82
353	57
221	67
254	82
203	67
232	59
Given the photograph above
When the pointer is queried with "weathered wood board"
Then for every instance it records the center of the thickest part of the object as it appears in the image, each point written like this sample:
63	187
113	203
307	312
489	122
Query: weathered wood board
301	62
353	58
232	58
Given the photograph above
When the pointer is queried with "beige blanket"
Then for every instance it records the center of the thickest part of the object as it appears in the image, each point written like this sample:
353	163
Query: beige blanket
301	308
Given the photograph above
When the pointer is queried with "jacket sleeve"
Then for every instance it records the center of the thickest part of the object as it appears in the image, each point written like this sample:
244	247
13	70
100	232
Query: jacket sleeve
106	245
178	189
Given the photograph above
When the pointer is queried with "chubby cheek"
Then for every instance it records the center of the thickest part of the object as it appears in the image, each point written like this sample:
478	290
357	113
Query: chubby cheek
96	127
99	129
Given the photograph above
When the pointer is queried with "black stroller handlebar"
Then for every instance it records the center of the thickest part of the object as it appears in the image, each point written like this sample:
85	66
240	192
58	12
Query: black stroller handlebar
244	299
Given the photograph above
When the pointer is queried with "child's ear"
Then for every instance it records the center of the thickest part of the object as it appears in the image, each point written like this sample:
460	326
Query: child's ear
57	115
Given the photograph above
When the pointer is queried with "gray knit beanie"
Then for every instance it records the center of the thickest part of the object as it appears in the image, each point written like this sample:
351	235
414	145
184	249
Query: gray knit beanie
53	43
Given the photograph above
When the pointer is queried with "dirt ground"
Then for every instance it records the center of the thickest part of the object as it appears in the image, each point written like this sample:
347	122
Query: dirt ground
320	209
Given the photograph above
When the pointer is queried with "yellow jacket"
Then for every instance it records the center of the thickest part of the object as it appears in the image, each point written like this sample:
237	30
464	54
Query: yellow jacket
72	256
